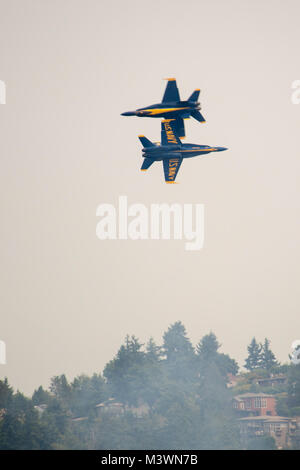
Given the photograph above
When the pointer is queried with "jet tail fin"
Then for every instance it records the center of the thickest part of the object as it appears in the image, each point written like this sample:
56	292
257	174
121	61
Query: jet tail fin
194	96
146	142
198	116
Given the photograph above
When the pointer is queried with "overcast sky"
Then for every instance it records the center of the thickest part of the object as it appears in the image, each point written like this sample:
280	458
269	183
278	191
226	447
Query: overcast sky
71	67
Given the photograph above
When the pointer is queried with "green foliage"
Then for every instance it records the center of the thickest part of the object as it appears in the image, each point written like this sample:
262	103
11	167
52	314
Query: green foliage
125	374
268	360
260	356
261	443
86	392
179	353
254	359
293	399
189	403
207	352
41	396
282	408
6	393
20	427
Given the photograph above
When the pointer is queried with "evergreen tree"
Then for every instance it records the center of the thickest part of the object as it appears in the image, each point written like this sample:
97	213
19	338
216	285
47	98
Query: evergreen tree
207	348
153	351
218	429
86	392
254	359
6	393
20	427
60	388
207	351
268	360
179	354
41	396
125	374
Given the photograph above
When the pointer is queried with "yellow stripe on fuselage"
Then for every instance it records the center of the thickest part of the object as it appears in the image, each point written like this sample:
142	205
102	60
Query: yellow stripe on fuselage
198	150
162	110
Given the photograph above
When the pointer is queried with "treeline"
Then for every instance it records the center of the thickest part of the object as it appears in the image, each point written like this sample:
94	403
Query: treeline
172	396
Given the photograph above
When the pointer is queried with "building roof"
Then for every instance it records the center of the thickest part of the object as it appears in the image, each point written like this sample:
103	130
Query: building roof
81	418
272	419
272	378
253	395
107	403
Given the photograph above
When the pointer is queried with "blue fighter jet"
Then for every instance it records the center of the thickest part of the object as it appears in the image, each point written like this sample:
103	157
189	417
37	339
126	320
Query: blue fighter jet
172	107
171	151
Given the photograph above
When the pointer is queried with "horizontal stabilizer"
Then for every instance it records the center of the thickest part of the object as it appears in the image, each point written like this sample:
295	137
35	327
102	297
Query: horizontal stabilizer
194	96
198	116
147	163
146	142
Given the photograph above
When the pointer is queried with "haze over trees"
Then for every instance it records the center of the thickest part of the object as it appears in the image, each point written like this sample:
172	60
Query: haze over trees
168	396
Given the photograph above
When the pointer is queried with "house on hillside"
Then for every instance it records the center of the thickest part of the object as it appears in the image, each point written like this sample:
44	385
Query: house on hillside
111	406
279	427
255	404
232	380
41	408
272	381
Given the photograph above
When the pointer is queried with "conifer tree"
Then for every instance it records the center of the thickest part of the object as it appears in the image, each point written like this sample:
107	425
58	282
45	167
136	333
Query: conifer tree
254	359
268	359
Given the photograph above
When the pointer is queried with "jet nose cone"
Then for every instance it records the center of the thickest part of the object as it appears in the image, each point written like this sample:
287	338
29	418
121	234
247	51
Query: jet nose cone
128	113
221	149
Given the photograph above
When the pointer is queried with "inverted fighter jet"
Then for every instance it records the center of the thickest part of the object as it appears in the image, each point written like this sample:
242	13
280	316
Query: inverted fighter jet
171	151
172	107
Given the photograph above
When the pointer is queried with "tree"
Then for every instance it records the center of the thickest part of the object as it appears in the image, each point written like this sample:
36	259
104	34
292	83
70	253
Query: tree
6	393
268	360
60	388
207	351
218	428
153	351
41	396
207	348
293	399
125	374
254	359
179	354
86	392
20	427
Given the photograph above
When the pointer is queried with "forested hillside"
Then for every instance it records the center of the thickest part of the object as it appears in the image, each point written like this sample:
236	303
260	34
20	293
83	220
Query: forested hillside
169	396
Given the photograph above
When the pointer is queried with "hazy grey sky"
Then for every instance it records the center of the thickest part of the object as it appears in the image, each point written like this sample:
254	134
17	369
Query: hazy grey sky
71	67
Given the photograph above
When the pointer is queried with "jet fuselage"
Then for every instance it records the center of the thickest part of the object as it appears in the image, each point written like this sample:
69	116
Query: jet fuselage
161	152
169	110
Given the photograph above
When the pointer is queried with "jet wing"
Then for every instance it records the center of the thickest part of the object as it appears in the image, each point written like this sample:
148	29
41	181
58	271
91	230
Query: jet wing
168	133
171	167
171	92
178	125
